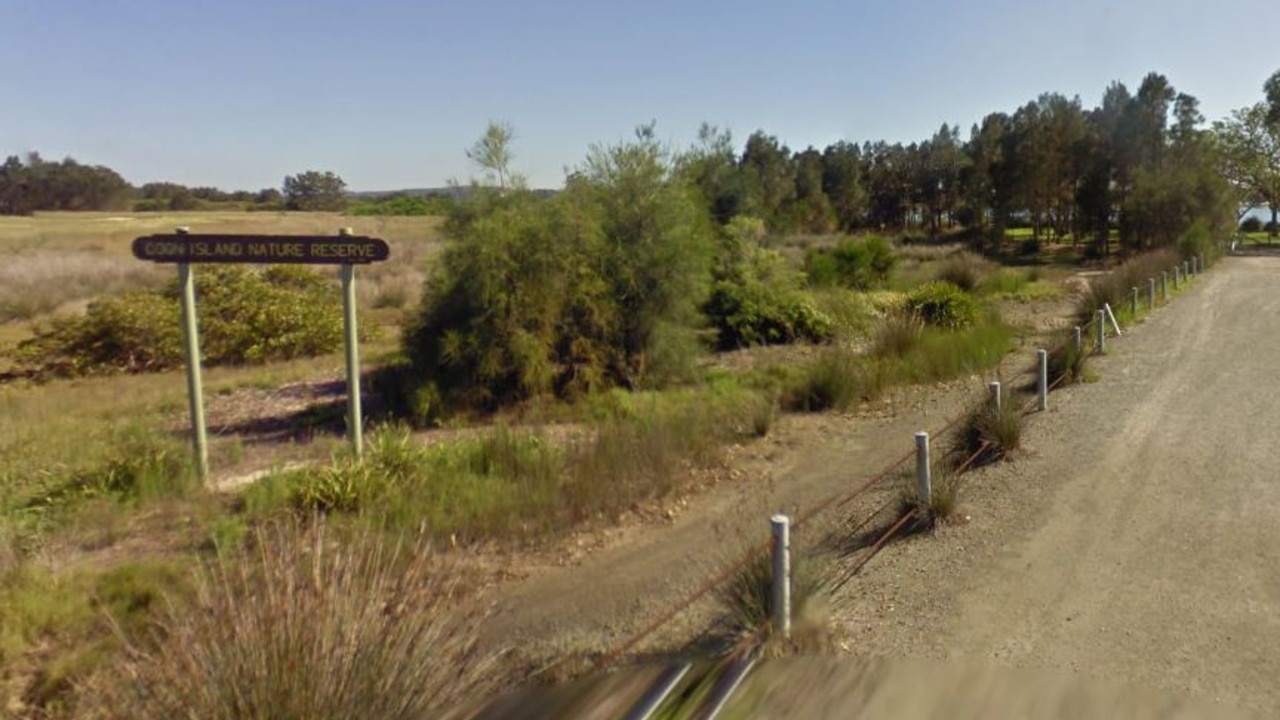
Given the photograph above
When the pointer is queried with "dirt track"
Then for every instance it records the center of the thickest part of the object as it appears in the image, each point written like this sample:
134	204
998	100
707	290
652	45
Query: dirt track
1138	538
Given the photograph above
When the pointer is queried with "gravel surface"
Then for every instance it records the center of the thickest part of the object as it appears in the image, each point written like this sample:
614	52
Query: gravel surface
1135	539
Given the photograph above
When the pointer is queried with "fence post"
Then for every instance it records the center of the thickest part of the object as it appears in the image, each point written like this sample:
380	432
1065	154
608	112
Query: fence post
1102	331
1164	286
1151	293
1043	385
924	470
781	575
1133	303
1176	276
1186	265
996	400
1079	341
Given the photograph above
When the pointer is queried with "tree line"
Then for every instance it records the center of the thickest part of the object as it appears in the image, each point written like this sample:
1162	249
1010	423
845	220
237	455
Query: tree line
1141	165
30	183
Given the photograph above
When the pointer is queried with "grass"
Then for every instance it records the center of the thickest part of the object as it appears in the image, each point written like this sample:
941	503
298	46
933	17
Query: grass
510	483
42	608
747	602
379	620
989	434
1114	288
944	498
61	259
840	377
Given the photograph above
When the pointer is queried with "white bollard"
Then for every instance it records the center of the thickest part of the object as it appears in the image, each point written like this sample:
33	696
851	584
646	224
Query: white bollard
1102	331
781	575
924	470
1151	293
996	400
1079	341
1043	385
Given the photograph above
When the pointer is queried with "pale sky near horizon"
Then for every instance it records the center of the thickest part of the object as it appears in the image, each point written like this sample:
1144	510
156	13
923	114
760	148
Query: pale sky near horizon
389	93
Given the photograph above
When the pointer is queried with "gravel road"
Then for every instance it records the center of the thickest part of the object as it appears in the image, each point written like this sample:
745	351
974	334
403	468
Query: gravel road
1134	540
1137	540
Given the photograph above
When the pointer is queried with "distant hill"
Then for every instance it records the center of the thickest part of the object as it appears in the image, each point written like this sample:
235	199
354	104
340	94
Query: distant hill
454	191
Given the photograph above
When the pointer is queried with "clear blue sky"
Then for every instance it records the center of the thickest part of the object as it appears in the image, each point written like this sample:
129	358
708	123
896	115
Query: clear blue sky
389	93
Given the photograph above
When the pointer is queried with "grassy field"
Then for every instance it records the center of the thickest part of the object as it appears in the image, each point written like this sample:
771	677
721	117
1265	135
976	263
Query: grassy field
59	261
97	505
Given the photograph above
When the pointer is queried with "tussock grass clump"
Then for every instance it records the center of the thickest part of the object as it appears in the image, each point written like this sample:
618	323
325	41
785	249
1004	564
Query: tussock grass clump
1068	363
302	626
836	380
965	270
944	499
747	600
897	335
990	434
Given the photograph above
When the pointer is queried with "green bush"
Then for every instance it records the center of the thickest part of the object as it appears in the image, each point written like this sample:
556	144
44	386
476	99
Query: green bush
1251	224
756	298
402	205
598	286
246	316
944	305
863	263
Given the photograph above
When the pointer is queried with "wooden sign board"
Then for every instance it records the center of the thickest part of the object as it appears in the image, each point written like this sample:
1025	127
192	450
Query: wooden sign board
292	249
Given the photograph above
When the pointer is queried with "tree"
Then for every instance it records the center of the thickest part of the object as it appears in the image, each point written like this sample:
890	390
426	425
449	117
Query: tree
1250	157
770	176
1272	90
493	152
315	190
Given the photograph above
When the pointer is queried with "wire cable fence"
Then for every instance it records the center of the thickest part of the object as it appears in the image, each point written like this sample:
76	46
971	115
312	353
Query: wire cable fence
1077	339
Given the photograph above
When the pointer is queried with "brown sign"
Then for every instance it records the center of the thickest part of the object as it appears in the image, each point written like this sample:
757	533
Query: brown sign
301	249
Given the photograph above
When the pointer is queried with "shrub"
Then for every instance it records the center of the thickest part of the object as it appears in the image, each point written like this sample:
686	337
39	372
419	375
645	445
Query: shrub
246	316
857	263
599	286
944	305
383	622
964	270
1251	224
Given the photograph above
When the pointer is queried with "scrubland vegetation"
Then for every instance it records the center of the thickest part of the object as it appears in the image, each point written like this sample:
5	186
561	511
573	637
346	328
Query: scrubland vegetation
566	347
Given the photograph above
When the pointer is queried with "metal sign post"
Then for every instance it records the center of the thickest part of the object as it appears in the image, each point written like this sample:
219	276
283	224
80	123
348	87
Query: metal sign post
185	249
355	420
191	346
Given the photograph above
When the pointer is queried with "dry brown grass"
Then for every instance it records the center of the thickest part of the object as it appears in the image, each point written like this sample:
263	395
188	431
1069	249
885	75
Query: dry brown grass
56	259
307	624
